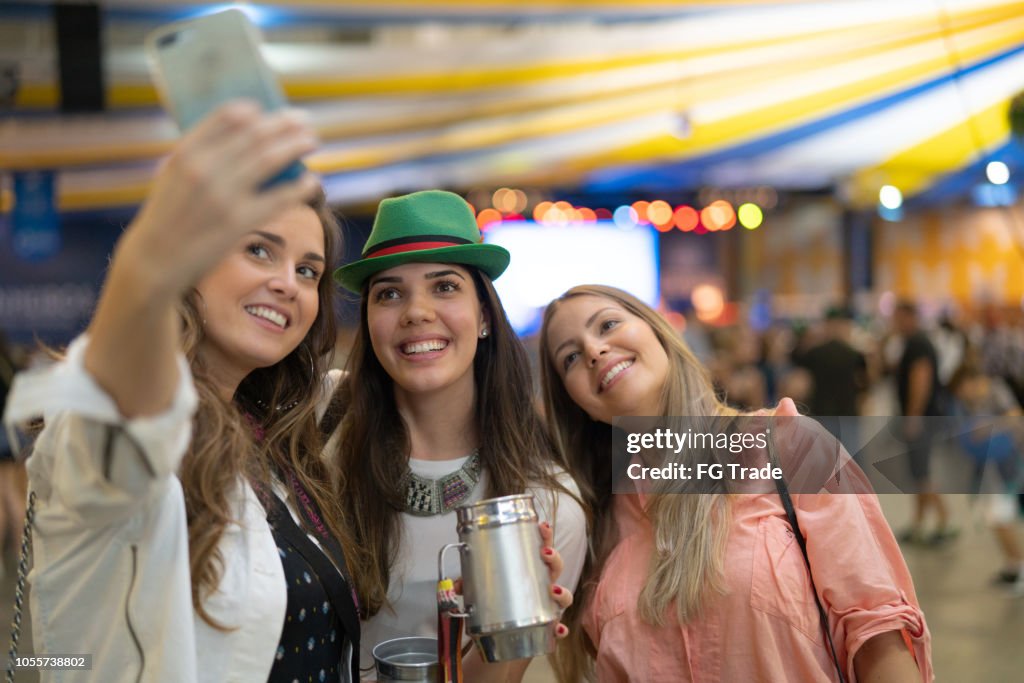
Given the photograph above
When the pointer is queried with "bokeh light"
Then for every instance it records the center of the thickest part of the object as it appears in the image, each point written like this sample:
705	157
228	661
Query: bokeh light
686	218
498	199
750	216
540	210
997	173
625	217
725	214
718	216
487	217
640	207
890	197
708	302
659	213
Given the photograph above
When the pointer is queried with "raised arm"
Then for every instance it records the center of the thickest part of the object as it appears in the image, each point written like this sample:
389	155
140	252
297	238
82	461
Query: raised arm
203	199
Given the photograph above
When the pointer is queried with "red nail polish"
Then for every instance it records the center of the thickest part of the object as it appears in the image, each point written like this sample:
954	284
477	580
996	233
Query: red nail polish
562	630
557	590
549	551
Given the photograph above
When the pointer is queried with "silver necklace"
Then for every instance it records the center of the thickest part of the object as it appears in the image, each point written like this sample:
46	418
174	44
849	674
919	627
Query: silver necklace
427	497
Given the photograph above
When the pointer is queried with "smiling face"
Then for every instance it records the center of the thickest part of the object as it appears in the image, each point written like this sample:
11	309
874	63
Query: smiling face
425	320
610	361
260	301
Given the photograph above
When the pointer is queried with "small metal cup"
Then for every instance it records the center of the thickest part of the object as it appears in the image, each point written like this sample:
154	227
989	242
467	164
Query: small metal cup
402	660
509	610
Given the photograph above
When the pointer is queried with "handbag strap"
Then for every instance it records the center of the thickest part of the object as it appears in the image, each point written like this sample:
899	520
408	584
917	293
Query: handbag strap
787	503
331	577
19	589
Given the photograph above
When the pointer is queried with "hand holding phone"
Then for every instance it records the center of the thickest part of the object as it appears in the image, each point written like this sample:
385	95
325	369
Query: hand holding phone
200	64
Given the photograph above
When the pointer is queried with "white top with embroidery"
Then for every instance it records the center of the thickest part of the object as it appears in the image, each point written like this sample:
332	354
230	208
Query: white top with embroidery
413	589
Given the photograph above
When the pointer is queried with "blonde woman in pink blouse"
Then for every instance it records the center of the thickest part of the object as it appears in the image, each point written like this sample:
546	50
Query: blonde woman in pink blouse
711	587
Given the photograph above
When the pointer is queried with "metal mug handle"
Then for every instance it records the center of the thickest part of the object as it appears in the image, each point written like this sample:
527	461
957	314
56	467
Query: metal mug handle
468	609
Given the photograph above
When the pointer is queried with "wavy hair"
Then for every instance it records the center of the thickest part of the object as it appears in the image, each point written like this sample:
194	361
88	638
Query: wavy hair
373	450
280	401
690	531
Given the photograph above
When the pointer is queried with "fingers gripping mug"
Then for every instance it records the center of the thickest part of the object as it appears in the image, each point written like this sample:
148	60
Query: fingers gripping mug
509	611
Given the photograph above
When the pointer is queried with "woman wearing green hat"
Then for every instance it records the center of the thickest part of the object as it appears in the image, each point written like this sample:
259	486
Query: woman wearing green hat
437	410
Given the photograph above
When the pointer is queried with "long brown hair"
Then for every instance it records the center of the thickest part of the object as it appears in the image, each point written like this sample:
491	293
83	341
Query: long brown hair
280	401
689	530
373	450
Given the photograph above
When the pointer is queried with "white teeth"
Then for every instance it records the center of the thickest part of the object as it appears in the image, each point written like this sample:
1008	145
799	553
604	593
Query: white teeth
616	369
267	314
424	347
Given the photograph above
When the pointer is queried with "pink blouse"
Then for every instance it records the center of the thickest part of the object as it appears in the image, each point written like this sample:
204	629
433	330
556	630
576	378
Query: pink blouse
766	628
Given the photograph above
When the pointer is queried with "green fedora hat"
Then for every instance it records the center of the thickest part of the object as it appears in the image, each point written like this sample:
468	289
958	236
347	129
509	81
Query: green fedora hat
432	226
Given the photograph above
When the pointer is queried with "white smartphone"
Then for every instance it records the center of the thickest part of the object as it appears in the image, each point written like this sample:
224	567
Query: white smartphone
202	63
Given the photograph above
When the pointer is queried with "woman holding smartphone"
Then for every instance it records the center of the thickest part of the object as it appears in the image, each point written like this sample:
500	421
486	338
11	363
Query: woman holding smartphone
184	527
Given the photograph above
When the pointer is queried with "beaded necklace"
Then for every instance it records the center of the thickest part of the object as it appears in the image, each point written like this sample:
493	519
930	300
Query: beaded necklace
427	497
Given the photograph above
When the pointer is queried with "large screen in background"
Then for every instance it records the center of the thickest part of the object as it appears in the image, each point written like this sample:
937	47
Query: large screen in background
547	260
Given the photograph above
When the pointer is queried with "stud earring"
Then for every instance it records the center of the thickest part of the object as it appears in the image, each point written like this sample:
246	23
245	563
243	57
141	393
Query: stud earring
483	333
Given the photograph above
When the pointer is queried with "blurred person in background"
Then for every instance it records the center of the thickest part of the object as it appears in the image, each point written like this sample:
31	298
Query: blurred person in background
951	345
838	370
917	389
735	370
1001	344
710	587
839	375
997	446
436	411
776	363
697	336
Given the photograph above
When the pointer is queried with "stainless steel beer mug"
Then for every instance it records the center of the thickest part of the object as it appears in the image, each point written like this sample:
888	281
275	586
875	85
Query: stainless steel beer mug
509	611
409	660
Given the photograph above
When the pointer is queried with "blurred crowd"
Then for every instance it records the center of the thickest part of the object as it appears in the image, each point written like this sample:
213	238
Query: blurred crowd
843	363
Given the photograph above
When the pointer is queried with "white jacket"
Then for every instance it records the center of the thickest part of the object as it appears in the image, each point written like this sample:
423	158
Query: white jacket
111	565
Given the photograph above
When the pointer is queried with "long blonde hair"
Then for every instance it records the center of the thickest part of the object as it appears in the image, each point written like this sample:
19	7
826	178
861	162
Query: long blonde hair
690	531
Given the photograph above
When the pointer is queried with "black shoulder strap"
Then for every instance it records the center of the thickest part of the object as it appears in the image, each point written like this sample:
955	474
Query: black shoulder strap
331	577
787	503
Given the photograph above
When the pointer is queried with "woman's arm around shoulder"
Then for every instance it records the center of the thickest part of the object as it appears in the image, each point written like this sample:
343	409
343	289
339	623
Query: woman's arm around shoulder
562	510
